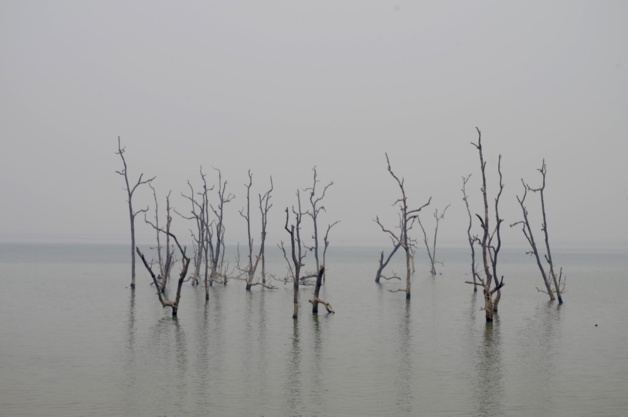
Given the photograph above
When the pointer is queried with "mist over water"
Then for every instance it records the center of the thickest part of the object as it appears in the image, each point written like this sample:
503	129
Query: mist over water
77	342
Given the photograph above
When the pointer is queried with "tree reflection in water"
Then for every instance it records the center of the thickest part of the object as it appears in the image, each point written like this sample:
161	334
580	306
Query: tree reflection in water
294	379
403	378
489	381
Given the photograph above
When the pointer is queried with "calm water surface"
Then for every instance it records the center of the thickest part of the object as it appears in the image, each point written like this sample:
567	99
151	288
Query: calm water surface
76	342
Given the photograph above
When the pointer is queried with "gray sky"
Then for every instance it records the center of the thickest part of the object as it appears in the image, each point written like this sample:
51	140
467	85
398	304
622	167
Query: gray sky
279	87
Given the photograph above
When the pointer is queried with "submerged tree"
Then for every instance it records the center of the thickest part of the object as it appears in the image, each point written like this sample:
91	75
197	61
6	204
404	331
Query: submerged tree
199	214
407	217
130	190
217	245
210	232
296	252
315	208
490	242
165	261
431	251
165	302
557	284
264	207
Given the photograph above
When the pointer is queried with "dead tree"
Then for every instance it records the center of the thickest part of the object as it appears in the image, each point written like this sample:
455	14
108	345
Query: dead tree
407	217
166	261
199	214
296	252
316	300
130	190
313	212
165	302
495	240
431	252
558	282
472	239
264	207
491	240
217	244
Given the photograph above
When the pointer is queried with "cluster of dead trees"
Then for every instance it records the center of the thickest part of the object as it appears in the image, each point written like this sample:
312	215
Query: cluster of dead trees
490	242
303	227
483	235
207	215
298	248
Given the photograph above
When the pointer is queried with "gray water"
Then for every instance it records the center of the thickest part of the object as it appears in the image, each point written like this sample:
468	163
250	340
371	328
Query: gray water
75	341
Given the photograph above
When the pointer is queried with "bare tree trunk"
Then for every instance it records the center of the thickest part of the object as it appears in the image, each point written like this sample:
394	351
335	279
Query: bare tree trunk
264	270
496	234
408	274
490	283
315	209
264	206
296	252
548	256
217	254
247	216
488	301
317	289
205	232
407	218
132	214
170	257
132	219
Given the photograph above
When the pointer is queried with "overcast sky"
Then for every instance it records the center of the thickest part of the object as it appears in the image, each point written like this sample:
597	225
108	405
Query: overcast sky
279	87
